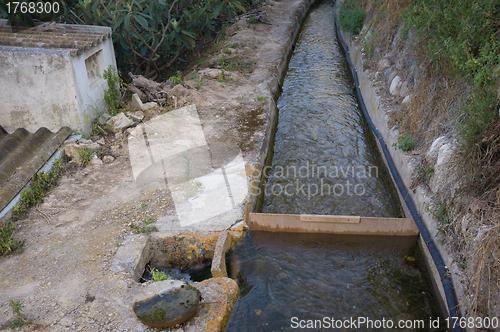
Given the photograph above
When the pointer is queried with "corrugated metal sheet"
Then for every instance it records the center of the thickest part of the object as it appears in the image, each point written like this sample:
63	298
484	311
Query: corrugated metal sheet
76	38
22	154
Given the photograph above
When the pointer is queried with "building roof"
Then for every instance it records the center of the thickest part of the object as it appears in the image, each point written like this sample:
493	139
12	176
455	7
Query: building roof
72	37
22	154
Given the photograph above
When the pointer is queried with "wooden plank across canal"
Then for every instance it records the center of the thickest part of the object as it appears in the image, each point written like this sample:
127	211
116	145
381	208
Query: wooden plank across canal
353	225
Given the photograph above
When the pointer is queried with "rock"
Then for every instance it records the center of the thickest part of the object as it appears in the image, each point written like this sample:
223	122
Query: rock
405	89
433	151
136	116
395	86
384	63
219	296
406	101
445	154
92	146
101	141
138	105
71	150
104	118
120	122
85	141
172	304
108	159
211	73
95	161
180	91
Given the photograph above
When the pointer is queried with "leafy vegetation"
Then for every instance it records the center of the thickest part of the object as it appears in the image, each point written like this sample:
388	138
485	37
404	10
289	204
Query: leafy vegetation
151	35
351	16
40	184
176	80
405	143
112	94
461	39
85	154
158	275
440	214
8	244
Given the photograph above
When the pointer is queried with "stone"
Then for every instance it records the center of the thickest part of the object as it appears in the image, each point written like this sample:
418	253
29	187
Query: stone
103	118
108	159
171	306
445	154
384	63
101	141
395	86
136	116
138	105
95	161
210	73
406	101
219	296
120	122
71	150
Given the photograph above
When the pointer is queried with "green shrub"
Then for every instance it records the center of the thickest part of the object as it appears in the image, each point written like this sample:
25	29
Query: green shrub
40	184
8	244
112	94
85	154
151	35
461	40
405	143
351	16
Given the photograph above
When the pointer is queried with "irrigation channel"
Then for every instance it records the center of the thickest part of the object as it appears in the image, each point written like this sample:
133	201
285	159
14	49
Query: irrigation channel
324	162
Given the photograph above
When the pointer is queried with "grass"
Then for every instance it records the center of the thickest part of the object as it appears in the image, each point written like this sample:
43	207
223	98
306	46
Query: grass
20	320
8	244
261	98
351	16
440	214
145	227
424	172
40	184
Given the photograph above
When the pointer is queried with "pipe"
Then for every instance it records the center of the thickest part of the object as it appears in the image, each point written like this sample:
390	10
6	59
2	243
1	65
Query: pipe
451	299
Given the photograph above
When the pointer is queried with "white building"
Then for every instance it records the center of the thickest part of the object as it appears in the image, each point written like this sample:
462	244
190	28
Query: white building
52	76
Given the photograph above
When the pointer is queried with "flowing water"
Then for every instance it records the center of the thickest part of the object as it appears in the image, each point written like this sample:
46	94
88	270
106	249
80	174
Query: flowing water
324	162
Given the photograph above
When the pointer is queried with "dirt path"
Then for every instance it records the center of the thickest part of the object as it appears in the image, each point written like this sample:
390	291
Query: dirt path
63	275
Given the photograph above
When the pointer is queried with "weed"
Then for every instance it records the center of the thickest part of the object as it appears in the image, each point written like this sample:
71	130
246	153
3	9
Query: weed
440	214
440	241
202	61
117	243
145	229
85	155
158	275
405	143
351	16
8	244
112	94
40	184
198	85
261	98
234	45
227	50
20	320
222	76
144	205
462	265
423	172
252	19
148	220
176	80
193	76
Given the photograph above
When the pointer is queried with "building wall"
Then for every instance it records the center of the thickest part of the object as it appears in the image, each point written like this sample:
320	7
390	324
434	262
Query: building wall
90	85
51	88
37	89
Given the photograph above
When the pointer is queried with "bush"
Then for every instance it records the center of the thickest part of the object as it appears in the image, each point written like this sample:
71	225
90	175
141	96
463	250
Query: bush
112	94
461	40
351	16
8	244
150	35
